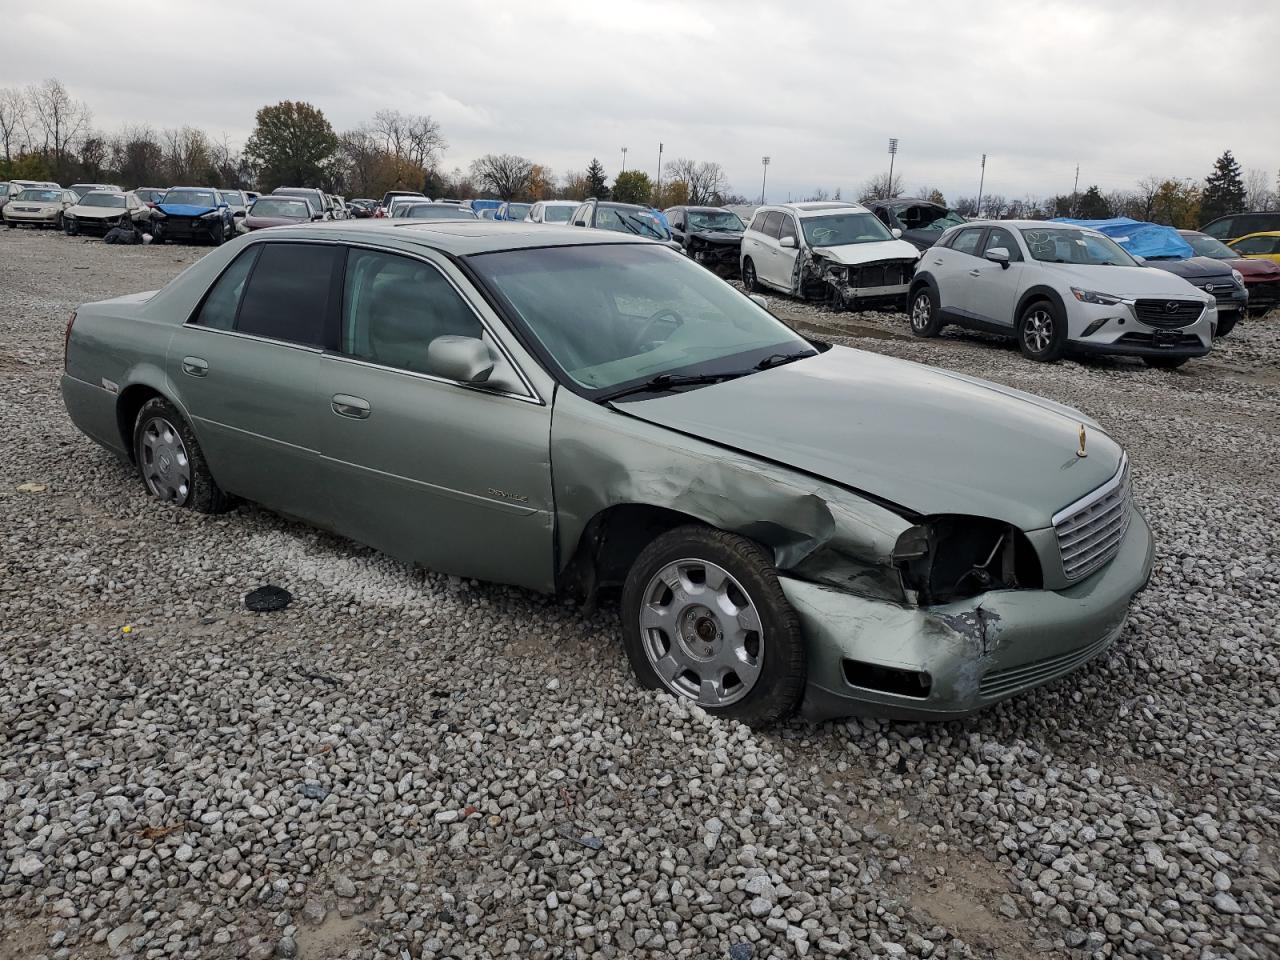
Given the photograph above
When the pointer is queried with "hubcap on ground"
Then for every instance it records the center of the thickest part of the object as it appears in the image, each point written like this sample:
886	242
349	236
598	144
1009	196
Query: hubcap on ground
702	633
164	462
920	312
1037	331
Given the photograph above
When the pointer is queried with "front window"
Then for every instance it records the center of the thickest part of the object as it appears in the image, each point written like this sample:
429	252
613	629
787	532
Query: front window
102	200
556	214
517	211
1206	246
839	229
285	209
615	315
191	198
1075	246
40	196
714	220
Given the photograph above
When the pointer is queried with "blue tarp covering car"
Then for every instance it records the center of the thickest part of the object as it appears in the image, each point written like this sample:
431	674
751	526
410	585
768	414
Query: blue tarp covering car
1138	238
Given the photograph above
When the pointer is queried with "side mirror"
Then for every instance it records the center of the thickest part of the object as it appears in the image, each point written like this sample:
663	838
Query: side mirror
238	213
579	223
897	234
998	255
759	301
464	359
317	216
788	242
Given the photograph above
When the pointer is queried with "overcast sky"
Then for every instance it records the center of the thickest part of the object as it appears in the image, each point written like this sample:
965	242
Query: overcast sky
1124	88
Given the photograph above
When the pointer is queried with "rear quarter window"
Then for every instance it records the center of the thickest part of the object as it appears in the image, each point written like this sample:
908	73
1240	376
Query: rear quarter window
223	299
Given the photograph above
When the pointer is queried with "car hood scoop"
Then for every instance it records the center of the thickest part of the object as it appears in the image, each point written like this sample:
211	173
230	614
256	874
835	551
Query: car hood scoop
927	440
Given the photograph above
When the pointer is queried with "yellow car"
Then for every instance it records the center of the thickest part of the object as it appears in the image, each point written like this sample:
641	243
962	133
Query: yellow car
1259	246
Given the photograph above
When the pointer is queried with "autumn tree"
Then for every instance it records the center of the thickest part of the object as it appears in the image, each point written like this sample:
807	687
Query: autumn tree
1223	189
597	182
932	194
1178	203
292	144
412	143
542	182
633	186
504	174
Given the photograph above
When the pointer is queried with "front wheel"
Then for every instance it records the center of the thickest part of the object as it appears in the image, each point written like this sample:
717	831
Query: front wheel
170	460
1042	332
926	318
749	278
1165	363
69	228
705	618
1226	325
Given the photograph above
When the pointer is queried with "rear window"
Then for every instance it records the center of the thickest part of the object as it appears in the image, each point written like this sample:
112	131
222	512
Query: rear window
288	294
219	308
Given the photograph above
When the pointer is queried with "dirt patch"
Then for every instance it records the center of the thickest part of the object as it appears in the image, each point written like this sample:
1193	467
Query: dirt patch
966	900
335	935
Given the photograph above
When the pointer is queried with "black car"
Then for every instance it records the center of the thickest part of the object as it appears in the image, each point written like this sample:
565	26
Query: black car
1212	276
920	222
1236	225
710	235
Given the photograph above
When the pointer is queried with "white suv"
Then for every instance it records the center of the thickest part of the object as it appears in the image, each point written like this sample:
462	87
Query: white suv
826	251
1058	287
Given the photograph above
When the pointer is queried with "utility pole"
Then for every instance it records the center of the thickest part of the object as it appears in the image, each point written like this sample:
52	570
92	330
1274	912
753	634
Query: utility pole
764	163
982	179
1075	190
657	190
624	160
893	152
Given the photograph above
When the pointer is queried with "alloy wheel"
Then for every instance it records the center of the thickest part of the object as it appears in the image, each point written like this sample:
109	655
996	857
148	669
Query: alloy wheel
749	275
162	455
702	633
921	311
1037	331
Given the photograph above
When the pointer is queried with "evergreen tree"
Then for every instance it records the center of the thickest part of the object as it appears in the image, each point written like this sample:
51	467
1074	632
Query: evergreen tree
1223	189
597	185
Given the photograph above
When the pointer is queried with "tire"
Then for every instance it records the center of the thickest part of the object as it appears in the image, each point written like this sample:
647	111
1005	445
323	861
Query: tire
70	229
1165	363
692	645
925	315
167	453
749	278
57	223
1226	326
1042	332
11	225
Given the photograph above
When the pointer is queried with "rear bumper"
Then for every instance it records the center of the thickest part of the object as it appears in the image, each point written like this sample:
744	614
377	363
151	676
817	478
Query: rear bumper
974	652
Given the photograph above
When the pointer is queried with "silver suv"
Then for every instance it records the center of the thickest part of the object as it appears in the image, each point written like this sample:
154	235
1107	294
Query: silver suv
1058	287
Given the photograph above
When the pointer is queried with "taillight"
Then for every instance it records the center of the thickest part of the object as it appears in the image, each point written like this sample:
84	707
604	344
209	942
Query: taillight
66	340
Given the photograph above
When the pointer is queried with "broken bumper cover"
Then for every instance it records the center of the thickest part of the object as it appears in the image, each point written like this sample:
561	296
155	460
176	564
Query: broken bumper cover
970	653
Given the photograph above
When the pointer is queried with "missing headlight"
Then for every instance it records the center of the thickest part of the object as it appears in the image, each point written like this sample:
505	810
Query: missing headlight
952	557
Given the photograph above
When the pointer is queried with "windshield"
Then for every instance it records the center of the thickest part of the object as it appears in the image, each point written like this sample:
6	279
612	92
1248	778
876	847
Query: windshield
1206	246
233	197
279	207
641	223
191	198
557	214
517	211
102	200
618	314
434	211
838	229
1075	246
149	196
714	220
40	196
930	219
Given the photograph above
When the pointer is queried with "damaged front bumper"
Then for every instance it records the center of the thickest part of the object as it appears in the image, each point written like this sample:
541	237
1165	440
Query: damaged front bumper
873	657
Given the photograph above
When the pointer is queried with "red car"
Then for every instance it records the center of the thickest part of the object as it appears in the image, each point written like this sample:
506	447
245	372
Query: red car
1261	277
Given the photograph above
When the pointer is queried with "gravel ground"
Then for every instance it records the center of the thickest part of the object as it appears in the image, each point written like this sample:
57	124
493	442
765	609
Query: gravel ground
402	764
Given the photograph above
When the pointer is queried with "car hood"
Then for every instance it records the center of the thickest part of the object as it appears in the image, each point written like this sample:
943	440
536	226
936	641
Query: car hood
1255	269
183	209
717	236
255	223
1194	268
1131	282
928	440
96	213
855	253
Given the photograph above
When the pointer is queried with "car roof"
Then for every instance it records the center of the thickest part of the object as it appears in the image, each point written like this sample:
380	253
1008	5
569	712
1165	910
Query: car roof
457	237
909	202
817	207
702	209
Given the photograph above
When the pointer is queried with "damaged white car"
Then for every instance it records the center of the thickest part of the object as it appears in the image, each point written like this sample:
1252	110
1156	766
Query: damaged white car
838	252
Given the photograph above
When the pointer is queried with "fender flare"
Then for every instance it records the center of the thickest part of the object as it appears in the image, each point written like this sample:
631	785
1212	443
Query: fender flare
1039	292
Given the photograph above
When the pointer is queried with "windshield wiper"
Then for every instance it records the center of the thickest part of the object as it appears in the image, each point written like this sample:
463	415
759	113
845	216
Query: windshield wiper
777	359
667	381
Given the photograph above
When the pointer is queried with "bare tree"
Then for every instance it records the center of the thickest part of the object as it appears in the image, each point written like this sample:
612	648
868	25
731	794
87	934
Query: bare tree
880	187
705	180
1257	190
505	174
413	141
966	206
994	206
932	194
138	157
188	155
1144	197
14	116
60	118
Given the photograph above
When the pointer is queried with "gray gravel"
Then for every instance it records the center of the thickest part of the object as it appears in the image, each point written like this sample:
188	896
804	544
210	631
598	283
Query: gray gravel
402	764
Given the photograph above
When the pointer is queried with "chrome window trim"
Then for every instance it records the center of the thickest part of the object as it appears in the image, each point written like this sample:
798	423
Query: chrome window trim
1093	497
343	358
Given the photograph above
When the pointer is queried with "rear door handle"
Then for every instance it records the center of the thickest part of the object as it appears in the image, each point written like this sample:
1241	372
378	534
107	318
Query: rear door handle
357	408
194	367
937	263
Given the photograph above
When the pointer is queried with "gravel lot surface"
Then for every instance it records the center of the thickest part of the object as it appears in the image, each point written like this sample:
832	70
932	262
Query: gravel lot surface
402	764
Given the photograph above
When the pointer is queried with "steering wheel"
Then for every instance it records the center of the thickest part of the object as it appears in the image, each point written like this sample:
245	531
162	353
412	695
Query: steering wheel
665	315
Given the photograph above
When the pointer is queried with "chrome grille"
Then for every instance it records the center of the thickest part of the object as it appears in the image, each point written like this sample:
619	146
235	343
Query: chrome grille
1090	530
1168	314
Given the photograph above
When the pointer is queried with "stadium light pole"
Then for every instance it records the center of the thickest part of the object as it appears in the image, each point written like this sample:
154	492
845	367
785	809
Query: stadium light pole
624	160
764	177
893	152
657	190
982	179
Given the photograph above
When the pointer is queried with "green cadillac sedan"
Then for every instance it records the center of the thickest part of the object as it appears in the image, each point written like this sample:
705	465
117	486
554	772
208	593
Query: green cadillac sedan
790	526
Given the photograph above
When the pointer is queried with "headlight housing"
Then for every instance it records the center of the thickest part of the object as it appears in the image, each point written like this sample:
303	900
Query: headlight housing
1239	277
950	557
1093	296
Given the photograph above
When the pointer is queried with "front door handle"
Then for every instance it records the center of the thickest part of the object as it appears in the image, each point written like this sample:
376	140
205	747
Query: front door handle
937	263
357	408
975	273
195	367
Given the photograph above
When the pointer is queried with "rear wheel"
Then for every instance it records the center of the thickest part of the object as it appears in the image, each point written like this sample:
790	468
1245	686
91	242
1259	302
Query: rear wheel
170	460
705	619
926	318
1042	332
749	279
1165	363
